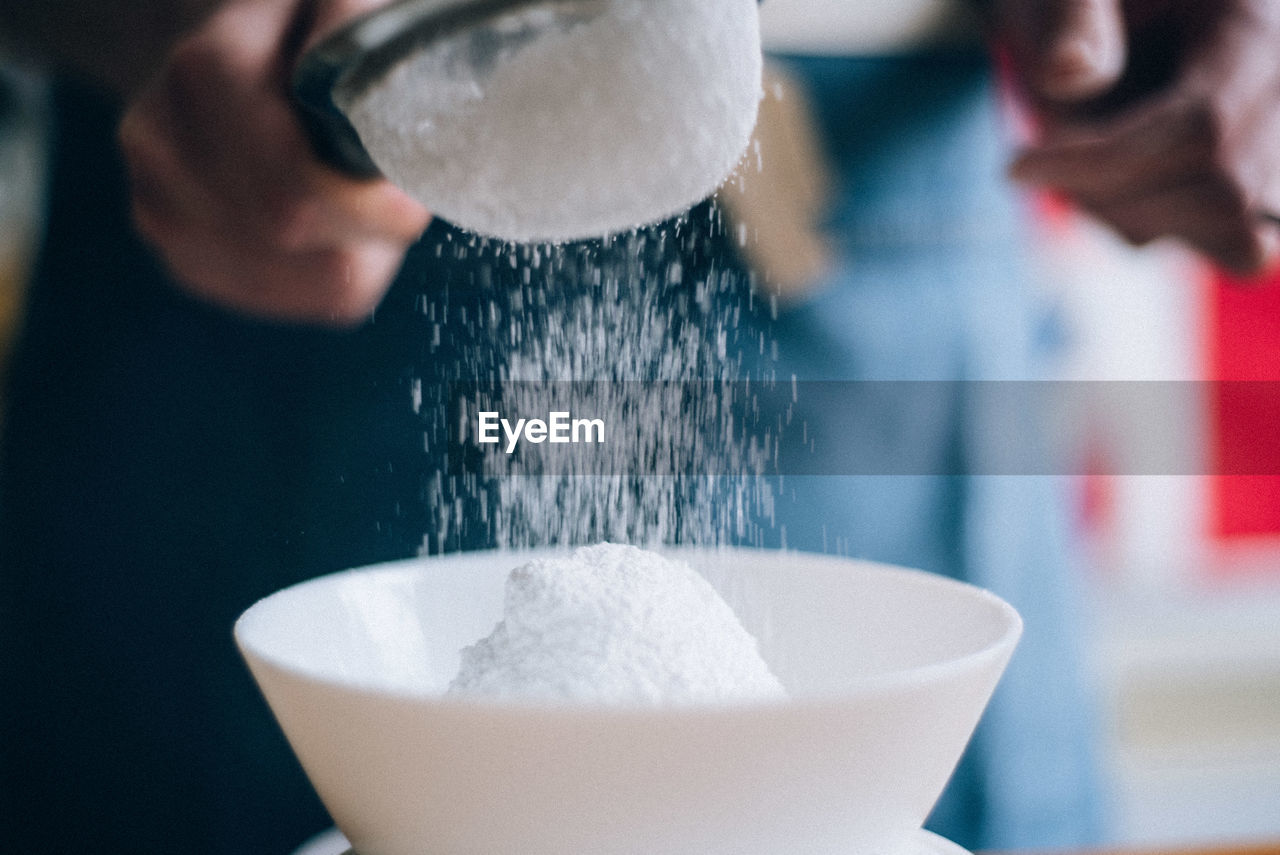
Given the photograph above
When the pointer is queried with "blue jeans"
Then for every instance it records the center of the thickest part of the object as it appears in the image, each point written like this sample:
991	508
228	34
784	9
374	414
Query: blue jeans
933	281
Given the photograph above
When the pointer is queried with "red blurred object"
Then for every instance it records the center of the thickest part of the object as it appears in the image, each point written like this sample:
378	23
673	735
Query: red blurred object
1243	323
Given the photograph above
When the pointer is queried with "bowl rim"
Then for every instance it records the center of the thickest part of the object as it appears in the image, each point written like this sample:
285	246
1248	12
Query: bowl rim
1000	647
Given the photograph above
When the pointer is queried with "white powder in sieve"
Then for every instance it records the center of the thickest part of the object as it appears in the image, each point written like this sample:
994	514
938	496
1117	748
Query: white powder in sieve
623	119
615	625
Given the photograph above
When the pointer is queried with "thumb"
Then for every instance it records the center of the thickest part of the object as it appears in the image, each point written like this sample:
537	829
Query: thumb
1068	50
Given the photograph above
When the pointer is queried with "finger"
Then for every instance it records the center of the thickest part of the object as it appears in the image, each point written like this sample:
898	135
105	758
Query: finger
367	274
1206	213
1068	50
1082	48
217	256
1153	147
374	210
293	202
338	286
166	197
217	82
350	207
1251	252
296	203
1269	239
1256	167
272	184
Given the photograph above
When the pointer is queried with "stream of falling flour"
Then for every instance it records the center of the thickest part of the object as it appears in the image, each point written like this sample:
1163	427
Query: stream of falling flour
639	316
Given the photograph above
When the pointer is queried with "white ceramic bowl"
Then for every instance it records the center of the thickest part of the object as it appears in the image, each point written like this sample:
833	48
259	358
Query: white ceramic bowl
888	669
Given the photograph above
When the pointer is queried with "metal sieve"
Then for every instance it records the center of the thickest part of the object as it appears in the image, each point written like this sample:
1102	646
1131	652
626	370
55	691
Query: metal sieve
359	54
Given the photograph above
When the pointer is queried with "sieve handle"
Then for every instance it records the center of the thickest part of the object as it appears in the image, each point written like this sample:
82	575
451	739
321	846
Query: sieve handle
333	137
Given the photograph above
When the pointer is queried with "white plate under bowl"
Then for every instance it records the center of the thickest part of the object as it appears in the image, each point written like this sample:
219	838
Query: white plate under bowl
921	842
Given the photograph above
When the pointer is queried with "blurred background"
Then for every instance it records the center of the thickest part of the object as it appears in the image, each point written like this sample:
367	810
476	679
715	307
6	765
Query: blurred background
1185	581
1184	585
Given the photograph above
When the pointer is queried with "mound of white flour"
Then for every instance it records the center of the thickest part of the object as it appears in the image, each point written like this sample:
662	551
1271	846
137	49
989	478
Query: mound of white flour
615	625
593	128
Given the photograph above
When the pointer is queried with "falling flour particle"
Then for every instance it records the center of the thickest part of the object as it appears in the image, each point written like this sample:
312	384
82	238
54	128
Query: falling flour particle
615	624
635	321
628	115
